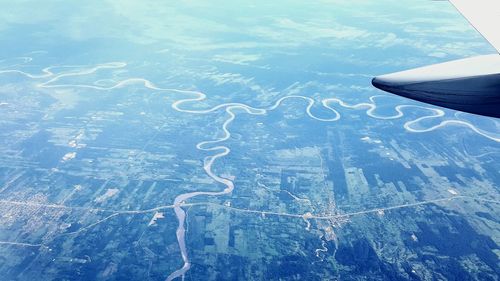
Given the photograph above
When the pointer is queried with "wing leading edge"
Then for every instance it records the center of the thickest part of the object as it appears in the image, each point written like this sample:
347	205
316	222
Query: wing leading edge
471	85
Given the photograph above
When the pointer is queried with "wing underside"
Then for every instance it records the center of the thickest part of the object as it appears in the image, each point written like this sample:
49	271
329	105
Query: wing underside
471	85
484	15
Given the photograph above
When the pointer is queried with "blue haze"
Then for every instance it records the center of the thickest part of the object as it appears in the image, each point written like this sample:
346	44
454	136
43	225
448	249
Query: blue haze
94	151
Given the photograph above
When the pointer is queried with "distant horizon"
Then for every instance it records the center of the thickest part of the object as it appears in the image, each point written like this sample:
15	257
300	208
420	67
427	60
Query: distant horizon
153	140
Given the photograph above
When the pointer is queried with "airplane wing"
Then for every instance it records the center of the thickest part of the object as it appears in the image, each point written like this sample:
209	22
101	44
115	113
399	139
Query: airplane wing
471	85
484	15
